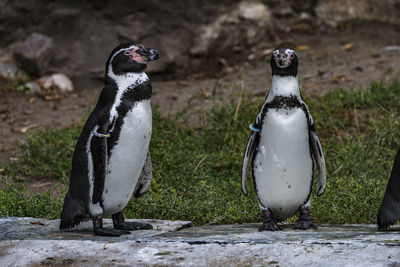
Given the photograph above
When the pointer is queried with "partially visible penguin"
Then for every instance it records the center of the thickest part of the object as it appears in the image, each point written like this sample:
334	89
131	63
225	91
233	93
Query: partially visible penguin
282	146
111	161
389	210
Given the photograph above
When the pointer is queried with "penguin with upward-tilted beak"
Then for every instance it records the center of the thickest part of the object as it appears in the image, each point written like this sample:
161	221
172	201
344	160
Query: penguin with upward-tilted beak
111	161
281	147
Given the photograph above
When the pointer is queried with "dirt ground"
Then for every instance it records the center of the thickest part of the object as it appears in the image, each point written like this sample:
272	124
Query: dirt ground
348	57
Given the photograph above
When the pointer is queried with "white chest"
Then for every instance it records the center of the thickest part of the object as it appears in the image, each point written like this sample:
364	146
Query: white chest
283	164
123	82
127	158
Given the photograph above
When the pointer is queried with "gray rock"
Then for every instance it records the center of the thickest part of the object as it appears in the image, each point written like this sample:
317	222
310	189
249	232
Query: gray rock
239	26
336	11
34	54
7	71
11	77
203	41
29	241
33	87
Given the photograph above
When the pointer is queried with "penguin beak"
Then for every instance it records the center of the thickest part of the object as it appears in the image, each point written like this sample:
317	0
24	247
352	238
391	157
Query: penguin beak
148	54
283	60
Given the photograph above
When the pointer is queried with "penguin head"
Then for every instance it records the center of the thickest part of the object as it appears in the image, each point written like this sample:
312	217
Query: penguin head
130	58
284	62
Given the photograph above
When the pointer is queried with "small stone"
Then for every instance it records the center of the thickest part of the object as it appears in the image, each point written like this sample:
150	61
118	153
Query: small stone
46	82
56	81
62	82
7	70
33	87
253	10
251	57
10	75
390	48
305	15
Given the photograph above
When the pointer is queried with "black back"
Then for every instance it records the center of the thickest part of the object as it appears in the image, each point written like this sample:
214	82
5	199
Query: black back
389	210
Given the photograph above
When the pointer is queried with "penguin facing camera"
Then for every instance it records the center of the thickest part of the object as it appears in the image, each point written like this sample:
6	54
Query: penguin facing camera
389	211
111	161
281	148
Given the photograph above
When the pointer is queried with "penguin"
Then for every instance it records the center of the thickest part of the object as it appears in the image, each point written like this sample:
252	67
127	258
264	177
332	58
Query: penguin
281	148
389	211
111	160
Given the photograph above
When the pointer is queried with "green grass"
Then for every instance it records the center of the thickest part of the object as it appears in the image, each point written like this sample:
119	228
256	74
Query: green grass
197	168
14	201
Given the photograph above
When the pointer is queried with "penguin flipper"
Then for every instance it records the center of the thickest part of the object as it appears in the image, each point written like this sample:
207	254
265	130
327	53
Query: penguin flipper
318	156
389	211
145	178
98	148
246	160
73	212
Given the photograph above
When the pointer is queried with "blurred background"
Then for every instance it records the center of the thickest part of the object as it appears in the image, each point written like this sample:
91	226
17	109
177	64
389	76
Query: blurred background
53	53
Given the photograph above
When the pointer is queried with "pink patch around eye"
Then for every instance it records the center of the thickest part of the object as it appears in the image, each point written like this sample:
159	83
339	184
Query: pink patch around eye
135	56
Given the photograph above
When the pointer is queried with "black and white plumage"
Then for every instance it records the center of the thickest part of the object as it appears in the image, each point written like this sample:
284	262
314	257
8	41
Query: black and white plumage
389	210
111	161
281	147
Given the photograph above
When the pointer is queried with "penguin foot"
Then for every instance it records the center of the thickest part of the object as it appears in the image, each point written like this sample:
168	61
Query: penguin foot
304	221
110	232
270	227
119	223
133	226
99	230
304	225
269	223
383	227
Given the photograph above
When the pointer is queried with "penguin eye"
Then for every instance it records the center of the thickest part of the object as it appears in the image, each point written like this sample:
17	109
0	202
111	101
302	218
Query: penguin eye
292	56
127	52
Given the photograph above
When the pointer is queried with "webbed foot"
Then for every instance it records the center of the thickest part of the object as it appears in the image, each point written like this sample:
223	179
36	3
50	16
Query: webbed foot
119	223
269	223
100	231
304	221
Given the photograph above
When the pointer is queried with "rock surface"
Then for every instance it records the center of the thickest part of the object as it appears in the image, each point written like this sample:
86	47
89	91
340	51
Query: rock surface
34	54
29	241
